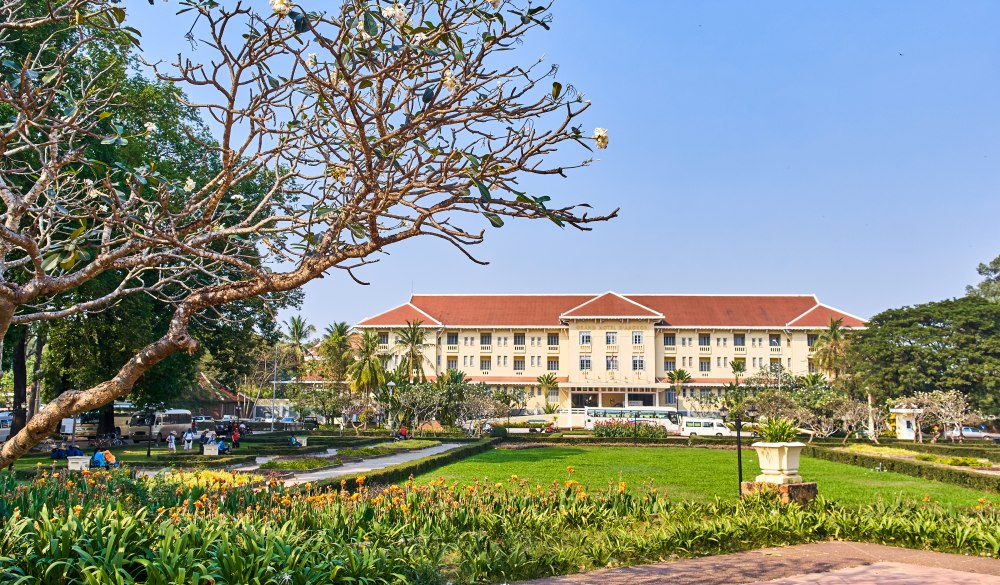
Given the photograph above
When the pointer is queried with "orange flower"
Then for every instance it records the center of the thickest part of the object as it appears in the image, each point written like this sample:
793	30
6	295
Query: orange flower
199	505
570	469
77	509
69	483
361	480
621	487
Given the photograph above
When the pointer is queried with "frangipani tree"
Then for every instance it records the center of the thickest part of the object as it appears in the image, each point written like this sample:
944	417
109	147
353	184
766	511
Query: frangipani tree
368	125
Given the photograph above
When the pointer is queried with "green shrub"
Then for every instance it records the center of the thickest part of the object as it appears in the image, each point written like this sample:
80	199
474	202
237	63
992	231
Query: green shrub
956	461
301	463
777	430
628	429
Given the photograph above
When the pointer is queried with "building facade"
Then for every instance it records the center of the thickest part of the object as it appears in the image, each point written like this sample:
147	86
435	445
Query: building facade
610	349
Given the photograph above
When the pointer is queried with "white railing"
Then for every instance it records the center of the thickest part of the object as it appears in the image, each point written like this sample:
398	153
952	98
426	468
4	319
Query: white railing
775	349
740	348
669	349
704	349
553	349
485	348
612	348
518	349
383	347
452	348
638	348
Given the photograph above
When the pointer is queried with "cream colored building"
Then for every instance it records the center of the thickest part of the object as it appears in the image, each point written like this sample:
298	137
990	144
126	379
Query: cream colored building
610	349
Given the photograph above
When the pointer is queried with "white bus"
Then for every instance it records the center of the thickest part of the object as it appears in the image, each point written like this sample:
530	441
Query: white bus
665	416
6	420
162	423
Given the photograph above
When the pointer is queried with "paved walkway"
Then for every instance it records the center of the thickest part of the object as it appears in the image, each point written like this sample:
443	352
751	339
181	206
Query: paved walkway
367	465
824	563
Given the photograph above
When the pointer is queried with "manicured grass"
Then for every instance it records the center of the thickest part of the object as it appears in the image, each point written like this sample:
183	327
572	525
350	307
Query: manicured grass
301	464
387	448
693	474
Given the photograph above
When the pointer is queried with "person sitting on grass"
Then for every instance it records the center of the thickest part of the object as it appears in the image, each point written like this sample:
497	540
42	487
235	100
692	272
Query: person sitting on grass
293	442
109	459
58	452
97	460
74	451
223	448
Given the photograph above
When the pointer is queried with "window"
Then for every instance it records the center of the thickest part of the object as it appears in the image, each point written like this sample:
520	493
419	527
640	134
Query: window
485	339
670	397
755	362
484	364
553	339
811	339
705	365
718	362
553	364
383	339
704	340
753	342
519	364
669	339
504	360
739	340
452	363
774	340
637	338
789	363
669	365
638	363
585	362
532	361
611	363
585	338
519	339
553	395
611	338
812	367
453	339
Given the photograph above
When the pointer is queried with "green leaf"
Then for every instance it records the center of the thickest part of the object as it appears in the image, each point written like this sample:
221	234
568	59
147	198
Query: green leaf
494	219
473	159
365	84
50	262
428	95
371	26
484	192
272	82
556	89
104	115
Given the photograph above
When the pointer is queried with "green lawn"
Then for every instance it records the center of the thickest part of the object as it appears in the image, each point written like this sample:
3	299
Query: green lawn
692	474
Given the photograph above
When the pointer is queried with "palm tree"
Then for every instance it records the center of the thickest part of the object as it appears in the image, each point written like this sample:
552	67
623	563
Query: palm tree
547	381
411	342
739	368
813	380
678	377
367	374
830	348
335	353
339	329
297	334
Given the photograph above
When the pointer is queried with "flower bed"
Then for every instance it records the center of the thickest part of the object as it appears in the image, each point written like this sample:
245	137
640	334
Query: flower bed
495	531
628	430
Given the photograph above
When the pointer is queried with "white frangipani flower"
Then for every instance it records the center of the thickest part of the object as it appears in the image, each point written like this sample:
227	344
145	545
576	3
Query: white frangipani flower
311	60
601	137
448	80
397	12
189	185
150	127
238	198
282	7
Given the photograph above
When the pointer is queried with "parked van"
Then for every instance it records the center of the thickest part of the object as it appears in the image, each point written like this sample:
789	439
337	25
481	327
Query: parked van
706	427
163	423
6	420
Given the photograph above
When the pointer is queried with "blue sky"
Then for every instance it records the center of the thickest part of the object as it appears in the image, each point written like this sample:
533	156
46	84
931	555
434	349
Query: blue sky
849	149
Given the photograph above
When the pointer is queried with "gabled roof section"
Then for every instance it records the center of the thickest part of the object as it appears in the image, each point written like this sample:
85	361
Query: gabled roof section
820	315
399	316
611	305
727	310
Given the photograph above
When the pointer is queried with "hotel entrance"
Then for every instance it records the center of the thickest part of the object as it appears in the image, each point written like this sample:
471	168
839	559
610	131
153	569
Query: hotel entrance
613	398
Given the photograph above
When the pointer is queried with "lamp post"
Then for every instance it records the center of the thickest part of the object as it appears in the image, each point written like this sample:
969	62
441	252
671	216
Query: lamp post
751	412
391	387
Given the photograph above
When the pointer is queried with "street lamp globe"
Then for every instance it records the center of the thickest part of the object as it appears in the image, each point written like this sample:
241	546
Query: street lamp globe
724	412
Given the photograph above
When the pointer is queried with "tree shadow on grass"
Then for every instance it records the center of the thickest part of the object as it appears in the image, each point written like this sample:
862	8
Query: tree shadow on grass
534	455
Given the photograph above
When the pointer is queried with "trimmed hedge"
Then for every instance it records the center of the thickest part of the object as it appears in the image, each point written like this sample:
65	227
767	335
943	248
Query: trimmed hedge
956	450
402	472
969	479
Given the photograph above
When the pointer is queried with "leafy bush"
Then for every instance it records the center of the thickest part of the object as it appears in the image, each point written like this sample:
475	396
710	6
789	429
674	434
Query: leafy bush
777	430
300	463
628	429
118	530
956	461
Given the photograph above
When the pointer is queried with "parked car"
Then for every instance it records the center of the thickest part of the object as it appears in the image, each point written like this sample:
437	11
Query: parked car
310	422
972	433
706	427
199	419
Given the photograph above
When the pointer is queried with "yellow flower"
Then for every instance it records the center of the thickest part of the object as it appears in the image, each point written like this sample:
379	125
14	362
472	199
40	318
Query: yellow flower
69	483
621	487
570	470
361	480
77	509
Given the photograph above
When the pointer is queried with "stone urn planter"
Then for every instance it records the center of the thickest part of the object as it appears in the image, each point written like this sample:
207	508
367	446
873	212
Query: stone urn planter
779	462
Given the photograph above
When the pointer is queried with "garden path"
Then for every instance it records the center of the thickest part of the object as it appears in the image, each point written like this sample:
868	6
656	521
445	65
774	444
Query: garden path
367	465
822	563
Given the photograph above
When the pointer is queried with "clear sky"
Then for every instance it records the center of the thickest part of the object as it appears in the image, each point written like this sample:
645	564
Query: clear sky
849	149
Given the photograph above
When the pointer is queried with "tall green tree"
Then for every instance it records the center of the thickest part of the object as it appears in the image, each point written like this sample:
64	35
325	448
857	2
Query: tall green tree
989	287
297	335
367	373
411	341
830	350
944	345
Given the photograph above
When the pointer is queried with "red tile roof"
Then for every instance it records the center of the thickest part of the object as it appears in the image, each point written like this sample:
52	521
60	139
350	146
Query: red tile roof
771	311
505	379
611	304
820	315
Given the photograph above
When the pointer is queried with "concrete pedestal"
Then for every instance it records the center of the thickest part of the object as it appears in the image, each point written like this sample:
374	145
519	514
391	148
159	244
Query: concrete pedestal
799	493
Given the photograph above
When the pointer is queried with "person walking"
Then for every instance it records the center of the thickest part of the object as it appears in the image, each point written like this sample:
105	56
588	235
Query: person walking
172	442
236	438
188	440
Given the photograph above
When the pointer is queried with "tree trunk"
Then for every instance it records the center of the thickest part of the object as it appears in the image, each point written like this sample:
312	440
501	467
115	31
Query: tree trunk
35	373
872	434
19	368
106	424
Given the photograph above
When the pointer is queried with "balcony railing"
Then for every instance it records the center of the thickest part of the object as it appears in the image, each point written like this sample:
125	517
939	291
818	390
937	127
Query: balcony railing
518	372
612	348
553	349
638	349
485	372
740	348
586	348
669	349
704	349
518	349
452	348
705	374
383	347
775	349
485	348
